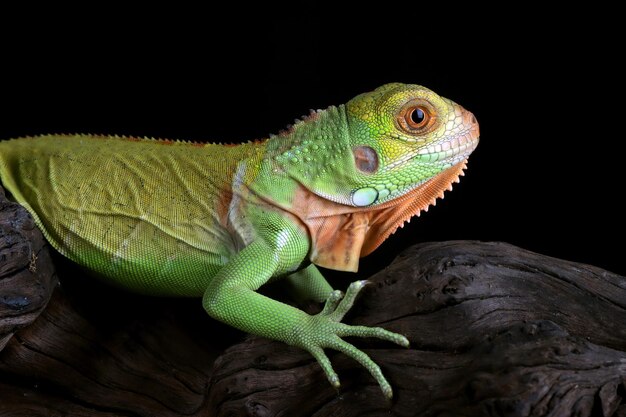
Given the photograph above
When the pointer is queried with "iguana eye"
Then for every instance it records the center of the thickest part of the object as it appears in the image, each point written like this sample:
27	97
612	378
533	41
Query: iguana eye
416	117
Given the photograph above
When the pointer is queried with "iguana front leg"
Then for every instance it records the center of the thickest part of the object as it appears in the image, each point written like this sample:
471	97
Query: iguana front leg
309	284
324	330
231	298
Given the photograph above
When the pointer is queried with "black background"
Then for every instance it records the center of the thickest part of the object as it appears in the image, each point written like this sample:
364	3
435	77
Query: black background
545	88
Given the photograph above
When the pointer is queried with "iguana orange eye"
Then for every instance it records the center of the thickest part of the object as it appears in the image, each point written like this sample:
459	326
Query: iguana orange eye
416	117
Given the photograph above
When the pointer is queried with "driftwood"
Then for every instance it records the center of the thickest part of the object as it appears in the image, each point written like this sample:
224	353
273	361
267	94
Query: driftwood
26	272
495	330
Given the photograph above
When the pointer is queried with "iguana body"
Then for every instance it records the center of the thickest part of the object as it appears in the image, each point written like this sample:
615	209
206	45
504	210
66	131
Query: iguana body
215	221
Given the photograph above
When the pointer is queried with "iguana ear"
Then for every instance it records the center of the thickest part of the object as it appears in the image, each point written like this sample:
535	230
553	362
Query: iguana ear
365	159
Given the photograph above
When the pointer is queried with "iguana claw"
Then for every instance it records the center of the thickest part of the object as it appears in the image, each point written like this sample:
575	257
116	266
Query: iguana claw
324	330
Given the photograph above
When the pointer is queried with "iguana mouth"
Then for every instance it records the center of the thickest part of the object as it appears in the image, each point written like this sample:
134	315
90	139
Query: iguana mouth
444	151
453	149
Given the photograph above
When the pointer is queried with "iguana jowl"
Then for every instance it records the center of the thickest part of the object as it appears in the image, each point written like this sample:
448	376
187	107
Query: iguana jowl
178	218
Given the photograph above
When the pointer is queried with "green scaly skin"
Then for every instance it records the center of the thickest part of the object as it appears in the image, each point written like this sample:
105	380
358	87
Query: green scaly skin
214	221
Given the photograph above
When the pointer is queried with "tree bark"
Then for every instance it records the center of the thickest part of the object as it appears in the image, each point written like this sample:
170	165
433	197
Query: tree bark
494	330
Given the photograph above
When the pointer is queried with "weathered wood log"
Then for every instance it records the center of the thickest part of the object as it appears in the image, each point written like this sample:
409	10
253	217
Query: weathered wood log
26	273
495	330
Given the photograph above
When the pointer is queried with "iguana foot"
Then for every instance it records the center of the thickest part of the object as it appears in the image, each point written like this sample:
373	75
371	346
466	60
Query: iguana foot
324	330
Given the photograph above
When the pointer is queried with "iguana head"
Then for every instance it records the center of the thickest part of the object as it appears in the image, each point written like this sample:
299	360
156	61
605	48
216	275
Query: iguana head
400	136
367	167
380	145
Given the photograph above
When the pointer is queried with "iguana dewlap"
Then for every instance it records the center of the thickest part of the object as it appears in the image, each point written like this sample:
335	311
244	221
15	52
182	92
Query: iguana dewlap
216	221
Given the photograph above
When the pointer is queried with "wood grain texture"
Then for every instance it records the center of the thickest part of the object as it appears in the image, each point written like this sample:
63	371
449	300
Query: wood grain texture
495	330
27	276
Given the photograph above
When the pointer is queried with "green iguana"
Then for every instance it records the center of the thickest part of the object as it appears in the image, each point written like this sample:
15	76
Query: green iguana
178	218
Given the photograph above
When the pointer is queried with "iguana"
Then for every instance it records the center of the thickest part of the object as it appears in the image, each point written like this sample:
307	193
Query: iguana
178	218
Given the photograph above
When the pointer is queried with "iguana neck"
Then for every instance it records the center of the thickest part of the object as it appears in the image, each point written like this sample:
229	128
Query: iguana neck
308	151
341	234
